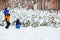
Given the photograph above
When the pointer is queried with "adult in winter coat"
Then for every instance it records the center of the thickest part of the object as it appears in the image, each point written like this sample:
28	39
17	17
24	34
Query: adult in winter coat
7	18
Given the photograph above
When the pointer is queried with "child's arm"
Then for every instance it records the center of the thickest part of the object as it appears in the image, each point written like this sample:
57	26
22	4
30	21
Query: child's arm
20	23
14	21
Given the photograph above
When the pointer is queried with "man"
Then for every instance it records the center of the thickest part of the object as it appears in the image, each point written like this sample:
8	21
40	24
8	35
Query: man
7	18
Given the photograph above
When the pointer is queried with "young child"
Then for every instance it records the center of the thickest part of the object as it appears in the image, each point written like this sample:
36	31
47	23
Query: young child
18	24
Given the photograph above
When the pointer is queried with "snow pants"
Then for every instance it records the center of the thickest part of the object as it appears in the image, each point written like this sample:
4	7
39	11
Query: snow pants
18	26
7	24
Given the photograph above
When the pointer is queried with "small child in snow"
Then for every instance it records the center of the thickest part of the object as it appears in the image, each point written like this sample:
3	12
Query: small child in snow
18	24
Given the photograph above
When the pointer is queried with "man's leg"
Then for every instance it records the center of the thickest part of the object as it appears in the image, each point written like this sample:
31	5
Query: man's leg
8	24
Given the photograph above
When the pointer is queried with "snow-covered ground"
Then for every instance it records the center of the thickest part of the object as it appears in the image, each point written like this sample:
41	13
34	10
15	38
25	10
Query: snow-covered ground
41	25
30	33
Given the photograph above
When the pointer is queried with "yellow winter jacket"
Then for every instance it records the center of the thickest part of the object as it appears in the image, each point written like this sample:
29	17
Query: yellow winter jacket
7	18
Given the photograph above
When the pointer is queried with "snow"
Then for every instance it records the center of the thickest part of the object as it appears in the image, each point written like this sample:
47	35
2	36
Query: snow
36	17
30	33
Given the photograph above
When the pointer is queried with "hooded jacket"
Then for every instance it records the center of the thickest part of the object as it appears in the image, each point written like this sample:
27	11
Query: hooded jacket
6	11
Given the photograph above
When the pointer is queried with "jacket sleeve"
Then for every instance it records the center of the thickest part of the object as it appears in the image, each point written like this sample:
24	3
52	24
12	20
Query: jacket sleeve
20	23
14	21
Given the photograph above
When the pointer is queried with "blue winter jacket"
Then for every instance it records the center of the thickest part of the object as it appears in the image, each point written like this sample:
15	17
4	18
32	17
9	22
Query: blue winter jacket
6	11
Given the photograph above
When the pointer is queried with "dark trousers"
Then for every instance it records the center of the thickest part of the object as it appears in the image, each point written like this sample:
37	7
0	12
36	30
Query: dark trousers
7	24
